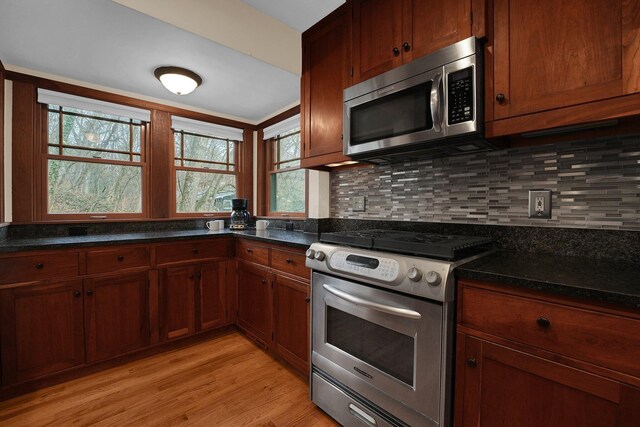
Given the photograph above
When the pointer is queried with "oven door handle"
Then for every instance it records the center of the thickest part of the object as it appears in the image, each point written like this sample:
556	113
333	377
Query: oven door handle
396	311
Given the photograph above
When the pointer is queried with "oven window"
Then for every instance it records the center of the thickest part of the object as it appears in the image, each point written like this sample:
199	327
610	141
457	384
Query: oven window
387	350
400	113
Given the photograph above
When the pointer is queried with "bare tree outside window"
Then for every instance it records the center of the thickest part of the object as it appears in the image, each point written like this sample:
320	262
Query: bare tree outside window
287	180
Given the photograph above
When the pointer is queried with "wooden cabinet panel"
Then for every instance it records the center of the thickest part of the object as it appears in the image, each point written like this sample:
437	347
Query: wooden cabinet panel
193	251
595	337
211	300
574	55
116	315
254	301
248	250
177	302
326	72
290	262
291	321
42	330
104	261
505	387
38	267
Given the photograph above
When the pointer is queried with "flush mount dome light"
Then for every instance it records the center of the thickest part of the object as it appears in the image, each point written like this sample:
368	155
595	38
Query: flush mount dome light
178	80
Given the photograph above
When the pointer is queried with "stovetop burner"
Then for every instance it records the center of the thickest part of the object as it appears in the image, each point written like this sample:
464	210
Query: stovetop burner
449	247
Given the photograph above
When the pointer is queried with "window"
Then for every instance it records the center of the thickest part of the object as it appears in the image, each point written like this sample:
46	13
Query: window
206	174
94	160
286	182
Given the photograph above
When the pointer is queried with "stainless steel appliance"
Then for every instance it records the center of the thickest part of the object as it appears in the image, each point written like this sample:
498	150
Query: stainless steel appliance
239	215
433	105
382	325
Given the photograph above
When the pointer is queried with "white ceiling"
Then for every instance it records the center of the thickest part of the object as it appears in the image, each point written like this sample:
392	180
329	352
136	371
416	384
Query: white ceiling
104	43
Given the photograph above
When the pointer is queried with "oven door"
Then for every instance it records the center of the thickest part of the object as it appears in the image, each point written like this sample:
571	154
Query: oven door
383	345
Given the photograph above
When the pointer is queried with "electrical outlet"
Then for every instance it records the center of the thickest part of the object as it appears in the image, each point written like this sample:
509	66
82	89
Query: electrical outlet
357	203
540	204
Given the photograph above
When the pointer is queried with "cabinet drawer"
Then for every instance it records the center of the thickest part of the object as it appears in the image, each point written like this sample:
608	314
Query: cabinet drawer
192	251
290	262
600	338
249	251
116	259
38	267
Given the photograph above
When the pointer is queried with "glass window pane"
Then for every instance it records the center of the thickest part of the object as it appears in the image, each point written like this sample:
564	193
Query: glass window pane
203	148
204	191
54	128
232	153
96	114
288	191
177	144
136	131
79	187
95	154
289	147
92	133
54	150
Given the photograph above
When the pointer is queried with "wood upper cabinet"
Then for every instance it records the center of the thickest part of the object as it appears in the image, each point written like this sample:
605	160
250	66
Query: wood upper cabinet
326	68
210	298
549	54
116	315
291	321
500	386
42	330
254	301
389	33
177	302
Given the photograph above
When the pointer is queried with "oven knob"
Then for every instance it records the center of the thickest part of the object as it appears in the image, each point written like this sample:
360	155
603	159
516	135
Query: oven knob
414	274
311	253
320	256
433	278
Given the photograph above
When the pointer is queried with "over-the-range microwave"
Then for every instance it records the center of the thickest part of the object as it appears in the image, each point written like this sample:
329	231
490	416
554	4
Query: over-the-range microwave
432	107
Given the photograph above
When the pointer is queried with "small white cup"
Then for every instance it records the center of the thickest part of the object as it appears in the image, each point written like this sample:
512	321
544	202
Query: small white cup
213	225
220	224
262	224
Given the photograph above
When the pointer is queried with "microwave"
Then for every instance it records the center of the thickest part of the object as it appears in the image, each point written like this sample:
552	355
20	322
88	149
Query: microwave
432	106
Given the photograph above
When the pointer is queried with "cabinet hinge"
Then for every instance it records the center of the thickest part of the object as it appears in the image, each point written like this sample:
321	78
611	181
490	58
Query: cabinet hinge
351	71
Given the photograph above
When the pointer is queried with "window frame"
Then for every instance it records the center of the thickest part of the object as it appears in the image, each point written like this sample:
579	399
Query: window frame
42	192
270	170
174	174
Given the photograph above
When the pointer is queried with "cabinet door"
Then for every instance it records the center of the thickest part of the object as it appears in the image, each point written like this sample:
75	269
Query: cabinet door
177	302
291	321
254	301
42	330
432	25
325	74
583	51
116	315
211	301
377	37
498	386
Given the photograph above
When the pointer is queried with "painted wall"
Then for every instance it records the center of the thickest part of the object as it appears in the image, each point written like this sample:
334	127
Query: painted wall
595	184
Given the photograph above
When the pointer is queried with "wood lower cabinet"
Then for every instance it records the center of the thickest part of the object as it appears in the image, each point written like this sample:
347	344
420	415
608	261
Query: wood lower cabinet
116	315
254	301
177	300
42	330
291	321
211	306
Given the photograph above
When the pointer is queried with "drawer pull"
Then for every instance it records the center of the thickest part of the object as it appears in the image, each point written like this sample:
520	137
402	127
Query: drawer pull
90	292
39	266
543	322
249	251
77	294
120	257
289	261
195	250
472	362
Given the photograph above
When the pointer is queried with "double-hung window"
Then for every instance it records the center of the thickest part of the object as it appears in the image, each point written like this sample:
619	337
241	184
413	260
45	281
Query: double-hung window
206	171
94	158
286	182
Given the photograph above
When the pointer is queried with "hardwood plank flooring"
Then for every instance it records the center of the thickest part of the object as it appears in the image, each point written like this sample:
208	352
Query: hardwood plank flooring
226	381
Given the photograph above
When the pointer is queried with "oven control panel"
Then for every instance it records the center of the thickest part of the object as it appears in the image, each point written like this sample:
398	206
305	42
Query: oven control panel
380	268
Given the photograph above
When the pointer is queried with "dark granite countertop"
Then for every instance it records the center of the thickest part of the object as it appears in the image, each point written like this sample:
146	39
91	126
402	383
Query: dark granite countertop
289	238
600	280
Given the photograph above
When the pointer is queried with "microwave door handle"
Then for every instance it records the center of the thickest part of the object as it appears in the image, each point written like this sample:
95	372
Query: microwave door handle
435	102
389	309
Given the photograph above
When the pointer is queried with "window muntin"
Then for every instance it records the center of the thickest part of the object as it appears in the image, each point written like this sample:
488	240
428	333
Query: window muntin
94	164
287	182
206	173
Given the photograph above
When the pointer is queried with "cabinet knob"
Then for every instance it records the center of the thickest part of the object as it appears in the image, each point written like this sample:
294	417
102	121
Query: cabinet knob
500	98
249	251
543	322
308	299
77	294
120	257
90	292
39	266
195	250
264	280
199	275
406	47
395	51
289	261
472	362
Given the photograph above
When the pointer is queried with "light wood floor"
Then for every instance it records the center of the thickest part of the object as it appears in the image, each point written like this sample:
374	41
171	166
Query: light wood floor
227	381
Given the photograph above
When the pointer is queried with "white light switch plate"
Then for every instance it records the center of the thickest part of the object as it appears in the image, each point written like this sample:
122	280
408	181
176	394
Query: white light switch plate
540	204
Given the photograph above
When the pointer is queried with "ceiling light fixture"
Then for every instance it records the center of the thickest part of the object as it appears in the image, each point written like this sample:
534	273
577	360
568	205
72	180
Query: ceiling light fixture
178	80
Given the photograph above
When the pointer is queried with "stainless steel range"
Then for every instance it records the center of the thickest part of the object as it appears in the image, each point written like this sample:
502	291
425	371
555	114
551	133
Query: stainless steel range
383	323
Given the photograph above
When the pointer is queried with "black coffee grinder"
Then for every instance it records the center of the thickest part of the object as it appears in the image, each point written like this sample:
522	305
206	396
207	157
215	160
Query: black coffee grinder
240	216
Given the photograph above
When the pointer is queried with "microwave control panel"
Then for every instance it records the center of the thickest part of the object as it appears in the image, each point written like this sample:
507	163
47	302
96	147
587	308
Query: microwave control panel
460	91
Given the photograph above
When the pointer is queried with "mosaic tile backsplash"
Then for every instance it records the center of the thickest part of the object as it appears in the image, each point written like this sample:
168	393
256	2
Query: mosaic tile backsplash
595	184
